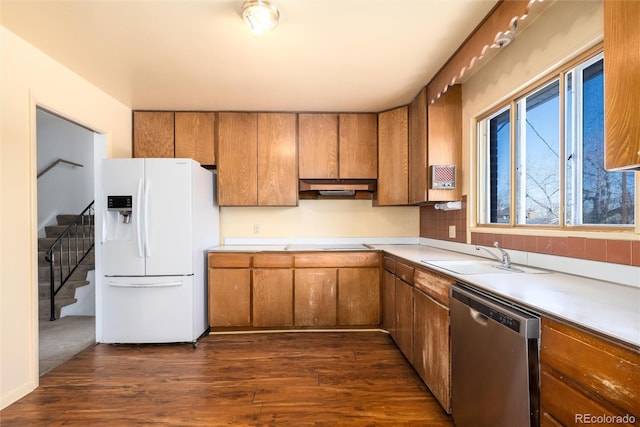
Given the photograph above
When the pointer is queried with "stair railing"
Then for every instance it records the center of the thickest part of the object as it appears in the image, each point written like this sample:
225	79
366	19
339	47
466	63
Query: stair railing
76	241
56	163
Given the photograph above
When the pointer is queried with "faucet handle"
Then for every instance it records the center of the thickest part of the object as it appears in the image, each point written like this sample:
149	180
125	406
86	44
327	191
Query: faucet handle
496	244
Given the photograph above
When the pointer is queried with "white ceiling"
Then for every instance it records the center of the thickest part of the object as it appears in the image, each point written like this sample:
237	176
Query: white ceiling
325	55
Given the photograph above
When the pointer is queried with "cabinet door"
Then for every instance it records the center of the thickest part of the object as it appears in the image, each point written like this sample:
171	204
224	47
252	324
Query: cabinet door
318	140
621	84
273	297
153	134
445	139
389	303
358	146
418	148
393	158
229	297
277	160
194	137
404	318
431	351
315	296
236	134
359	296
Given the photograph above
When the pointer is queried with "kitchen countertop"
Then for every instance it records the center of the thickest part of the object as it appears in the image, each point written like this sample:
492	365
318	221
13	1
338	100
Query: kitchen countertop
605	307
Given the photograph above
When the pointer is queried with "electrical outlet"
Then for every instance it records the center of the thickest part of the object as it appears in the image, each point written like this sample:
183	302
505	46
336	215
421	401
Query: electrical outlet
256	228
452	231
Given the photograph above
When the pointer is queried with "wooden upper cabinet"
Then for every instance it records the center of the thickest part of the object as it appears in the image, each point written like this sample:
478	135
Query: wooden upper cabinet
237	159
445	140
621	84
277	157
418	149
318	141
194	136
358	146
153	134
393	157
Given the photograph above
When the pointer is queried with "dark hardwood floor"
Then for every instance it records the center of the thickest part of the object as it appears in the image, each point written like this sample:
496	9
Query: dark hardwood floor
275	379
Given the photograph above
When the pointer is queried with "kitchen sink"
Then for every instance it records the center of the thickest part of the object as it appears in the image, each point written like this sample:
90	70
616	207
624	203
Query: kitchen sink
481	267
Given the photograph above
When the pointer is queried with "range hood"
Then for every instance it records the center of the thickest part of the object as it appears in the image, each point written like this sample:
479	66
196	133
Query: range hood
338	187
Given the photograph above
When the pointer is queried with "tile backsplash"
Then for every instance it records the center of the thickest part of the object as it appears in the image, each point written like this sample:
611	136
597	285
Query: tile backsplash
435	224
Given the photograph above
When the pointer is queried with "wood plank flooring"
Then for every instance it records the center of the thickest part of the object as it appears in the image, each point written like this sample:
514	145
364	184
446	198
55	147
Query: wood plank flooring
275	379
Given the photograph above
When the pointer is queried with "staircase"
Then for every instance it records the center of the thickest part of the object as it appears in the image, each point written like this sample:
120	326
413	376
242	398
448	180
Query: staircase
66	295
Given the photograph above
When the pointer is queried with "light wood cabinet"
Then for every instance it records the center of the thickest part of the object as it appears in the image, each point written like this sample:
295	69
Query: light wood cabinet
256	159
277	160
586	375
316	296
389	296
358	146
272	297
359	296
318	145
431	351
393	157
418	149
404	318
194	137
153	133
445	140
294	289
237	136
229	290
338	146
621	84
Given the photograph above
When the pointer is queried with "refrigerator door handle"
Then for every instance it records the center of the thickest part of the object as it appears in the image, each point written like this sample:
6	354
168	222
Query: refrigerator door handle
147	192
139	219
115	284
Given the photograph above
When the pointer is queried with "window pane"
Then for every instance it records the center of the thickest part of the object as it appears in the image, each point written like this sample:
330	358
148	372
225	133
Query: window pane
607	197
495	160
538	168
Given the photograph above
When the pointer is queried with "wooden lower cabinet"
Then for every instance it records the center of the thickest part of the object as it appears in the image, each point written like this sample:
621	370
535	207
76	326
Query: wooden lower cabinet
584	376
229	297
315	297
404	318
431	346
359	296
294	289
389	302
272	297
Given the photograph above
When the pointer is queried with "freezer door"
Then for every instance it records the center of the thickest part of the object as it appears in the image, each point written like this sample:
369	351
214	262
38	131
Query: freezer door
122	250
149	310
168	222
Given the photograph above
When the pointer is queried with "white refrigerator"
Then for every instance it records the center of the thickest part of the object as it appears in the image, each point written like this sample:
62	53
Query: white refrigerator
159	217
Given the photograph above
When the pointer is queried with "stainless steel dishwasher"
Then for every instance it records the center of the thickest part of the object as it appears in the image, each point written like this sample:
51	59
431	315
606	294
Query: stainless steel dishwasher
494	361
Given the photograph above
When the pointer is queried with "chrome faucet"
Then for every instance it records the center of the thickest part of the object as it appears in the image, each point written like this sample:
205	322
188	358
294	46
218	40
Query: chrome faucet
506	258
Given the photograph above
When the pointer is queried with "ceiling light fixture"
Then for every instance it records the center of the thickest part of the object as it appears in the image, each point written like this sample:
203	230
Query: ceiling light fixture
260	15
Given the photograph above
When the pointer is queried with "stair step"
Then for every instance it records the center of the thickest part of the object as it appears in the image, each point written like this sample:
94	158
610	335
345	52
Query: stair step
80	273
68	219
56	230
67	291
45	309
45	242
90	259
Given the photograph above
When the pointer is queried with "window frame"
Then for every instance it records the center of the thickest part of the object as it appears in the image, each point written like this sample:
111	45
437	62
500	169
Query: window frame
560	74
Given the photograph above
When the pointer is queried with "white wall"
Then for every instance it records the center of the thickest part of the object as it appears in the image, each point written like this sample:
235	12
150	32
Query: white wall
65	189
29	78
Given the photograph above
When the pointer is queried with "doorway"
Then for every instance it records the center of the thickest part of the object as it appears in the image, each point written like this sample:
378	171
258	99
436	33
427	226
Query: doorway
66	155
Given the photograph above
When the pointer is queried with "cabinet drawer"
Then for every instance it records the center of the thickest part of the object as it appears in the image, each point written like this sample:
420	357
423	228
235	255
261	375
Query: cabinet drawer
404	272
390	264
272	261
603	368
433	284
229	260
565	405
337	259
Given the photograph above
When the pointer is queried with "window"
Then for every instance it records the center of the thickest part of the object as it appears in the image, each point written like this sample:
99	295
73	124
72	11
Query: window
545	162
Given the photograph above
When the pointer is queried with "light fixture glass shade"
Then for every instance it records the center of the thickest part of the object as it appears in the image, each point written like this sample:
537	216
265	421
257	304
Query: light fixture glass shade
260	15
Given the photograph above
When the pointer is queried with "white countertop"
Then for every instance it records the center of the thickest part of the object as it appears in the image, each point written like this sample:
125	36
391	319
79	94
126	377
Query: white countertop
605	307
609	308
